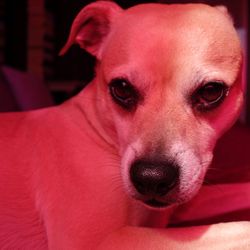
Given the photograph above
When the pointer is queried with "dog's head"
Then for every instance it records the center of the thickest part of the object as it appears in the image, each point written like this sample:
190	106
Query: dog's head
169	84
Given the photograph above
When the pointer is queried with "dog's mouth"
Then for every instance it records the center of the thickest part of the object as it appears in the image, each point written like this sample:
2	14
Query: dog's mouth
156	204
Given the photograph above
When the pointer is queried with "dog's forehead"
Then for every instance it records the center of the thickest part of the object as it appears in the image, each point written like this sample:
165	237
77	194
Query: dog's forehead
162	33
144	18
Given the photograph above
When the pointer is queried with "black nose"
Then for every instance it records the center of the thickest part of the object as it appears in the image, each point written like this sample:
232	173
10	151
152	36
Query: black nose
154	178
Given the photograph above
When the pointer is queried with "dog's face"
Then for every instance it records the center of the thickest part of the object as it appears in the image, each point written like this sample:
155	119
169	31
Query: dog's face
169	81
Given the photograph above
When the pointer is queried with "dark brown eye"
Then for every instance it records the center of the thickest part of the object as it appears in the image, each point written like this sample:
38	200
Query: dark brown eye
209	96
123	93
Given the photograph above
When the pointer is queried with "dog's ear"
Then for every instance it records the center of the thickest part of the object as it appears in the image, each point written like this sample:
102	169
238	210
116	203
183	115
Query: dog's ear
91	27
225	11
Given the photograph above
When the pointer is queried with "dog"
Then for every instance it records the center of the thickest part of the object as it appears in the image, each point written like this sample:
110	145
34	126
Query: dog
135	143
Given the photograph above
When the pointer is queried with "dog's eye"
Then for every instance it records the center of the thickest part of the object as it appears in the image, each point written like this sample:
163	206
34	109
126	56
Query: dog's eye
123	93
209	96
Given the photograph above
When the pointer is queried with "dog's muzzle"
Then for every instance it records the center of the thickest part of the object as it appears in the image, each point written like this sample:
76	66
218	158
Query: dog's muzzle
154	179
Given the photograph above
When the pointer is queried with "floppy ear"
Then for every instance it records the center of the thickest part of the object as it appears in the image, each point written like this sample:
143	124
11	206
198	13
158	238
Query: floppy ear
91	27
225	11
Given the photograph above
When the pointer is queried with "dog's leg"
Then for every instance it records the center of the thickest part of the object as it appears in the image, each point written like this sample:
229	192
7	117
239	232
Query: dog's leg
224	236
211	202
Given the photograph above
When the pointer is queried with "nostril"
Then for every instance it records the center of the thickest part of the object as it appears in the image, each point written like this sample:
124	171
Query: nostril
162	188
140	186
167	183
153	178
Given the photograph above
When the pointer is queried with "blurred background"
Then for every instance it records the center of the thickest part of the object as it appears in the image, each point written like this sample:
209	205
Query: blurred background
32	32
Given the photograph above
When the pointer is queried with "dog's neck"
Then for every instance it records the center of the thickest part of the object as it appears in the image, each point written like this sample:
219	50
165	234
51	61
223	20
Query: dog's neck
84	106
